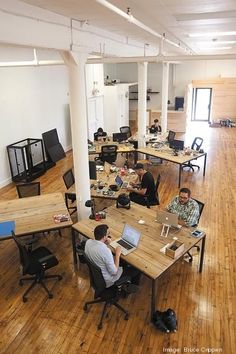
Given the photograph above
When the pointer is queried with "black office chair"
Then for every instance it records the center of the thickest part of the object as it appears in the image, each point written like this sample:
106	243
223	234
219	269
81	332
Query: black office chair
157	202
69	180
35	263
171	135
28	189
108	154
201	206
109	295
127	130
196	145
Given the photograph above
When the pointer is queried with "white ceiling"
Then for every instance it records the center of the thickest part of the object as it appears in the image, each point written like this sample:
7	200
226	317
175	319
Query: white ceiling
178	19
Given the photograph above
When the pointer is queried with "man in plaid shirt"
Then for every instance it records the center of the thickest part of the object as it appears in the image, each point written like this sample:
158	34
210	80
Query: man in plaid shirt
185	207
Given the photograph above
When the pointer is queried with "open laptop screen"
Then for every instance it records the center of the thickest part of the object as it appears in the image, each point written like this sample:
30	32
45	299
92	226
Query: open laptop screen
118	181
131	235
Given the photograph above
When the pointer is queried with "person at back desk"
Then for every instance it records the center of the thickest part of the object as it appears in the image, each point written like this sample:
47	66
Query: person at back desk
101	255
143	186
155	128
100	134
185	207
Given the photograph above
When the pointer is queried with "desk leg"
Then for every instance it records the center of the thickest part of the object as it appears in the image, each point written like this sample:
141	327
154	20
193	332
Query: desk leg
73	237
202	253
180	170
204	168
153	298
135	157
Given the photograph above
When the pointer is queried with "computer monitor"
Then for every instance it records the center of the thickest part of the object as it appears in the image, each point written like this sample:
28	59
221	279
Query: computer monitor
119	137
92	170
176	144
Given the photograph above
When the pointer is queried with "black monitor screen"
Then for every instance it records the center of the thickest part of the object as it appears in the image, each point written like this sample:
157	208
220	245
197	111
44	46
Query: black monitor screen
92	170
176	144
119	137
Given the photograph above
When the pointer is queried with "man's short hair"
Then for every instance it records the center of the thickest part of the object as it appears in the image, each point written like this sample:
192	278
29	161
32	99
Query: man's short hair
138	166
156	120
185	190
100	231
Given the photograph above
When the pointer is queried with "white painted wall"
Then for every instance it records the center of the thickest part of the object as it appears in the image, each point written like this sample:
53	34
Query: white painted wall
32	101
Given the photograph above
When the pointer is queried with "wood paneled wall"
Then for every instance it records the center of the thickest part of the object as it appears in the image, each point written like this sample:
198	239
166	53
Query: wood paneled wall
223	97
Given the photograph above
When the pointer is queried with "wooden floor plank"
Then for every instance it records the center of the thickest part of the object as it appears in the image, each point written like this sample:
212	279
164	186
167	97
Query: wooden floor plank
204	303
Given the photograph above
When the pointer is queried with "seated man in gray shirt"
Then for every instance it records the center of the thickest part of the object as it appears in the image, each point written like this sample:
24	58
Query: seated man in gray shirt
101	255
185	207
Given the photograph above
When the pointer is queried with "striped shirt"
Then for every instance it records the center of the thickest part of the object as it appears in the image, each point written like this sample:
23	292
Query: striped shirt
188	212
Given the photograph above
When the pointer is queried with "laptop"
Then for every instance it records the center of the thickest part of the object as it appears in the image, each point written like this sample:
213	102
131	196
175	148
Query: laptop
176	144
6	227
129	240
166	218
120	183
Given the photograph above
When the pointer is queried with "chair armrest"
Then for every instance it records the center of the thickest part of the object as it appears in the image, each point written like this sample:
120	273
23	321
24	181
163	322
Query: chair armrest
45	259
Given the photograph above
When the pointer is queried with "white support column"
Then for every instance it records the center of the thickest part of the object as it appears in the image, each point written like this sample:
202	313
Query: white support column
78	113
142	102
164	98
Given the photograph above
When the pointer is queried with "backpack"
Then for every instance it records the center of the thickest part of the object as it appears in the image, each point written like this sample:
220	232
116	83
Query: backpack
165	321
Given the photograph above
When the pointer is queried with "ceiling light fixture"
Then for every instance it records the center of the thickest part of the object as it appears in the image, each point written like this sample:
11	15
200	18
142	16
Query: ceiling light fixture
129	17
212	34
215	48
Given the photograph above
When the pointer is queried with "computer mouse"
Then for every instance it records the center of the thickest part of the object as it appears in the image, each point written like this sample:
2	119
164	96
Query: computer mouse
141	222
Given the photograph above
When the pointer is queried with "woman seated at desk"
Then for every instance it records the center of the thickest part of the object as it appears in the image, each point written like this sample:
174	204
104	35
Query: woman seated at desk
100	135
155	128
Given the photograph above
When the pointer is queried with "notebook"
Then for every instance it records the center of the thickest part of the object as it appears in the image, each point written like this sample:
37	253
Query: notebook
129	240
6	227
166	218
120	183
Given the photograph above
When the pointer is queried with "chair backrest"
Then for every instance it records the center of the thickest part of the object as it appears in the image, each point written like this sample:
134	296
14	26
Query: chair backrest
96	278
28	189
108	153
201	206
99	135
171	135
127	130
68	178
197	143
24	253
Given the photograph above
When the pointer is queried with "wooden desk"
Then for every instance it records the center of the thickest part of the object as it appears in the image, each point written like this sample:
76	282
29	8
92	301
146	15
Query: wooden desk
34	214
147	258
167	154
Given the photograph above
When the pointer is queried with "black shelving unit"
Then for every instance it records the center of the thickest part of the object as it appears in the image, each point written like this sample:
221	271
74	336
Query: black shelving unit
26	159
148	95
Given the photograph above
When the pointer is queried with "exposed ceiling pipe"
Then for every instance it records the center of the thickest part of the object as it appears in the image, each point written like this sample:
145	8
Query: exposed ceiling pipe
129	17
161	58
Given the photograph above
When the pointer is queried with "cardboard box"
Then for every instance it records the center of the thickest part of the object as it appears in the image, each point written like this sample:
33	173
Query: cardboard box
175	249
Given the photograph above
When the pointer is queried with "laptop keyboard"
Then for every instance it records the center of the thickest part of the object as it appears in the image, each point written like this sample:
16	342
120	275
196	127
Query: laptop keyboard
124	244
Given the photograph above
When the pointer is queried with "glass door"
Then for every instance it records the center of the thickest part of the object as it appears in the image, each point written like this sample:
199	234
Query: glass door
201	104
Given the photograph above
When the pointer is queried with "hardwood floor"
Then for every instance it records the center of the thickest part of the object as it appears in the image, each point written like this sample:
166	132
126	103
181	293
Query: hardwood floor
204	303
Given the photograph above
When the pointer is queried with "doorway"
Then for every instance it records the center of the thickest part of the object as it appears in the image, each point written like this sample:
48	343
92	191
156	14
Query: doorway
201	109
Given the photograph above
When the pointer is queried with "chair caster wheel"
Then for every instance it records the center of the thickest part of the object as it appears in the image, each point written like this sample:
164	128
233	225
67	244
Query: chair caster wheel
127	317
50	296
99	326
85	308
25	299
